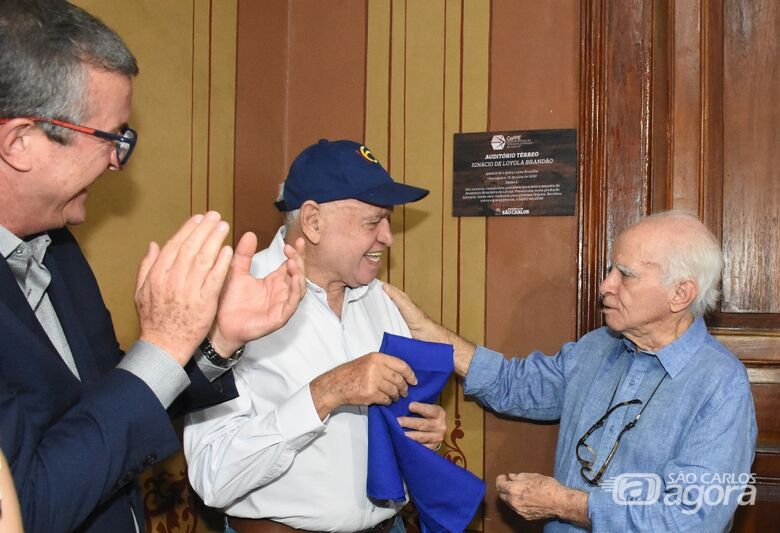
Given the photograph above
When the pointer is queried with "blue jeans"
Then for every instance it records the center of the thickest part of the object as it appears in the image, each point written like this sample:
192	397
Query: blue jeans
398	526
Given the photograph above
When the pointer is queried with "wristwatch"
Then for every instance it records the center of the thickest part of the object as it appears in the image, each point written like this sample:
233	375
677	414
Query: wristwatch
216	359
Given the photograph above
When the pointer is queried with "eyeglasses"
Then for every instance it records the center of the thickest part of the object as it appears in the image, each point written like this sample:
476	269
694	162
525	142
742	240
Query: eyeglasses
125	140
587	464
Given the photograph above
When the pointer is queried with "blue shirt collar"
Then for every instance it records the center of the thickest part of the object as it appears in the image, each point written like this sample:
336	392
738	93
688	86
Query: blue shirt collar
676	355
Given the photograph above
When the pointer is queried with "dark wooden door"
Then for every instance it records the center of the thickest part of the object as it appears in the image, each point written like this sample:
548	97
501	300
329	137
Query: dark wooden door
679	110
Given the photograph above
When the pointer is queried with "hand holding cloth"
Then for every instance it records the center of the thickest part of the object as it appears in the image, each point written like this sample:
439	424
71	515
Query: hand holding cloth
445	495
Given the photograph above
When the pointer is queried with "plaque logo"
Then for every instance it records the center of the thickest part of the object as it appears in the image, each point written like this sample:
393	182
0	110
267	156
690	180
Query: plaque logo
498	142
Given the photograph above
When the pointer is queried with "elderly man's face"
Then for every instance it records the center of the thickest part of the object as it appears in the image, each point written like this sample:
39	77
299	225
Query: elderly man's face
634	299
354	239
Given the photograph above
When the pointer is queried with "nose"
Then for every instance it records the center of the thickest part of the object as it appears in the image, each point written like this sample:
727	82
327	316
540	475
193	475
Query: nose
608	284
385	233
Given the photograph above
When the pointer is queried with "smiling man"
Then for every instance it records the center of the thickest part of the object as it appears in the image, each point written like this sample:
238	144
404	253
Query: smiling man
291	451
80	419
655	413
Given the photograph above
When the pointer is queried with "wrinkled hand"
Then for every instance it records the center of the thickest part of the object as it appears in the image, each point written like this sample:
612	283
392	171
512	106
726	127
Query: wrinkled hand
534	496
374	378
178	286
250	308
428	430
420	325
423	328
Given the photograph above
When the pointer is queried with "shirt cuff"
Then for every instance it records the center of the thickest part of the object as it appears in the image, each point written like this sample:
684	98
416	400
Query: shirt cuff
484	367
600	502
207	368
155	367
298	420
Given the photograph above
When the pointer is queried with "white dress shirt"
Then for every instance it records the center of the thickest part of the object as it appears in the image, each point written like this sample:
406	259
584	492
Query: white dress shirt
267	454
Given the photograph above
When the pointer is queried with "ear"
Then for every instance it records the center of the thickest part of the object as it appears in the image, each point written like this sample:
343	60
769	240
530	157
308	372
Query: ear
684	295
16	143
311	221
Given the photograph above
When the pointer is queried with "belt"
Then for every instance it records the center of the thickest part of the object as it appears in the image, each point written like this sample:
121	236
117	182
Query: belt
264	525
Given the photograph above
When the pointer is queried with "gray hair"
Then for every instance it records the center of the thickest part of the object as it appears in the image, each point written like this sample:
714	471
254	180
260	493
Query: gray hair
692	252
46	47
291	218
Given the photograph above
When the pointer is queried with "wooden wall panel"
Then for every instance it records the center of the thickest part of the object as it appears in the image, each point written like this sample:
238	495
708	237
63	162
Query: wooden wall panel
628	83
751	156
531	262
301	78
261	115
467	234
622	171
723	143
327	73
686	106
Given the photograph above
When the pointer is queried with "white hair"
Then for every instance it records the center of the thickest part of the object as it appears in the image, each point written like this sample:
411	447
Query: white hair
692	252
291	218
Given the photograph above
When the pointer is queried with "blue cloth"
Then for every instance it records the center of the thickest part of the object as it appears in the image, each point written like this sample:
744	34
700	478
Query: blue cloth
699	427
445	495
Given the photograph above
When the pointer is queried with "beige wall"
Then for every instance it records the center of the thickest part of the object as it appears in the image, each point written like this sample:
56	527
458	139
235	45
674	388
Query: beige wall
183	110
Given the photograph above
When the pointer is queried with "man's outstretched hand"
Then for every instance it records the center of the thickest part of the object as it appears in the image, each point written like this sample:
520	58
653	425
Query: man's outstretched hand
250	308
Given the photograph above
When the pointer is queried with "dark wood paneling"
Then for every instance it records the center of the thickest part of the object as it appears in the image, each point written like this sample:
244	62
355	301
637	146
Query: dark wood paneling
740	192
751	156
702	75
618	77
592	153
628	87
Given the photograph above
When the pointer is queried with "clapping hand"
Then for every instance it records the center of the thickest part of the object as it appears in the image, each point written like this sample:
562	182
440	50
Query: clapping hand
178	285
250	307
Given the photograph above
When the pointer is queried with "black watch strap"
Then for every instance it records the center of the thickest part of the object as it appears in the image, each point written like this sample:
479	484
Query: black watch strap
216	359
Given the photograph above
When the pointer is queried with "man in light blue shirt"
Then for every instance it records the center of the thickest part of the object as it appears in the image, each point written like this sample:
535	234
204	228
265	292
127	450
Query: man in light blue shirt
657	424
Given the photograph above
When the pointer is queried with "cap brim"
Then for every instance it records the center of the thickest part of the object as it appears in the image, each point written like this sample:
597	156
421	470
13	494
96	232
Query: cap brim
392	193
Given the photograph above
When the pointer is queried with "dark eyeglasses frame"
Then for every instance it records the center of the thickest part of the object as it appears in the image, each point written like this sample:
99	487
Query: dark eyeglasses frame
127	136
587	464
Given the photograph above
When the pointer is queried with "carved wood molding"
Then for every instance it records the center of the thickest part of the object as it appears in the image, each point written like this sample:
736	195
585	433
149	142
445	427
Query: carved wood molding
592	164
616	180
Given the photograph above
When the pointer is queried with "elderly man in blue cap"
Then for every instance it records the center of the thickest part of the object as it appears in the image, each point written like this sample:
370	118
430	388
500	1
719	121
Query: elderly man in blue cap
290	453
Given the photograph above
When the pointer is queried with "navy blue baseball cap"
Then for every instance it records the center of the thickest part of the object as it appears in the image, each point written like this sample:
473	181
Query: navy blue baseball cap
340	170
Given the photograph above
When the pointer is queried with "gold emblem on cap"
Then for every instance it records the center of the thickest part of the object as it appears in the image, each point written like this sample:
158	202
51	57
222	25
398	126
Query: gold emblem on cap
365	152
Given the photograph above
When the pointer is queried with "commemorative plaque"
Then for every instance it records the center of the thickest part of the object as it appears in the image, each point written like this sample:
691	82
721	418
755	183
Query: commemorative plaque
515	173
